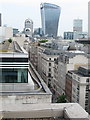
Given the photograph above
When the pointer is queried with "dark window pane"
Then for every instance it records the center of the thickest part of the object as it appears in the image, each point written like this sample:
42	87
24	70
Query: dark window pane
14	60
15	75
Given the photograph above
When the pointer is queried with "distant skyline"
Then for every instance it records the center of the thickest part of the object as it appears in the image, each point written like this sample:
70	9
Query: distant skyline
15	12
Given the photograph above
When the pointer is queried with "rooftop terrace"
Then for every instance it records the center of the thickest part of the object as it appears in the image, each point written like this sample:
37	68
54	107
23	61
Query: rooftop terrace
10	46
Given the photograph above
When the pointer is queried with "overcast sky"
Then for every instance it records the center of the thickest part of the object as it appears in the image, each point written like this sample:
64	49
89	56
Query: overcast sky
14	13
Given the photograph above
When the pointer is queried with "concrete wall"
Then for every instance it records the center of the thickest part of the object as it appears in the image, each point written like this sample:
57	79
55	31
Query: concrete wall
26	99
38	111
37	119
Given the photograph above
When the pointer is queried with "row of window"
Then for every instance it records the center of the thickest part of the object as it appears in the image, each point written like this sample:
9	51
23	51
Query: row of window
51	59
15	75
76	78
14	60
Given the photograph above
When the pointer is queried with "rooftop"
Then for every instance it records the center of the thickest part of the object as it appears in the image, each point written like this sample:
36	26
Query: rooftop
71	54
44	111
83	71
10	46
48	51
83	41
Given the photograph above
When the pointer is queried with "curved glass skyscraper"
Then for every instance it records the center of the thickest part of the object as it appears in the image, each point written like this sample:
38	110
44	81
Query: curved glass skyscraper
50	14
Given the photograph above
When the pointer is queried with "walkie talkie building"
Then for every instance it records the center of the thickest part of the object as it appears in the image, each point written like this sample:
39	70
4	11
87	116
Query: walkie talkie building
50	14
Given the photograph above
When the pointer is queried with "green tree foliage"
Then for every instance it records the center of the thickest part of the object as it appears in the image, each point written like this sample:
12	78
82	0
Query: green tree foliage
61	99
10	40
43	41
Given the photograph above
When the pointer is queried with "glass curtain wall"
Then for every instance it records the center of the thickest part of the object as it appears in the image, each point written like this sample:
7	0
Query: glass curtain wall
14	75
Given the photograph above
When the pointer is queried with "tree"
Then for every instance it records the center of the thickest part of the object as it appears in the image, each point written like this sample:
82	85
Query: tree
43	41
10	40
61	99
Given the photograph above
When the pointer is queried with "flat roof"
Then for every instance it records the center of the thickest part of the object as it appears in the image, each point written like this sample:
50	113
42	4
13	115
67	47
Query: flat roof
77	73
7	47
86	67
57	110
82	73
12	50
83	41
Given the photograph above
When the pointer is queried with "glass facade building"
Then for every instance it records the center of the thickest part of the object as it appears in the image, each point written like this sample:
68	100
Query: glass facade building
68	35
50	14
13	64
14	70
77	25
14	75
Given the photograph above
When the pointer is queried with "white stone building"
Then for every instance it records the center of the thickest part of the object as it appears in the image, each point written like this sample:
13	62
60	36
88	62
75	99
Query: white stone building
69	60
46	61
80	83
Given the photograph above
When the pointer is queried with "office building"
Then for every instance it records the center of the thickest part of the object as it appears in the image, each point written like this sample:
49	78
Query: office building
68	60
15	31
78	86
77	25
50	14
19	82
43	60
68	35
28	30
12	56
77	28
38	32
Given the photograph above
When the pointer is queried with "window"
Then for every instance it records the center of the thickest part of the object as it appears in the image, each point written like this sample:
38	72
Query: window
78	87
14	60
49	58
78	100
49	74
86	102
73	96
74	76
49	80
49	69
28	21
78	78
87	87
49	64
87	80
54	59
14	75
